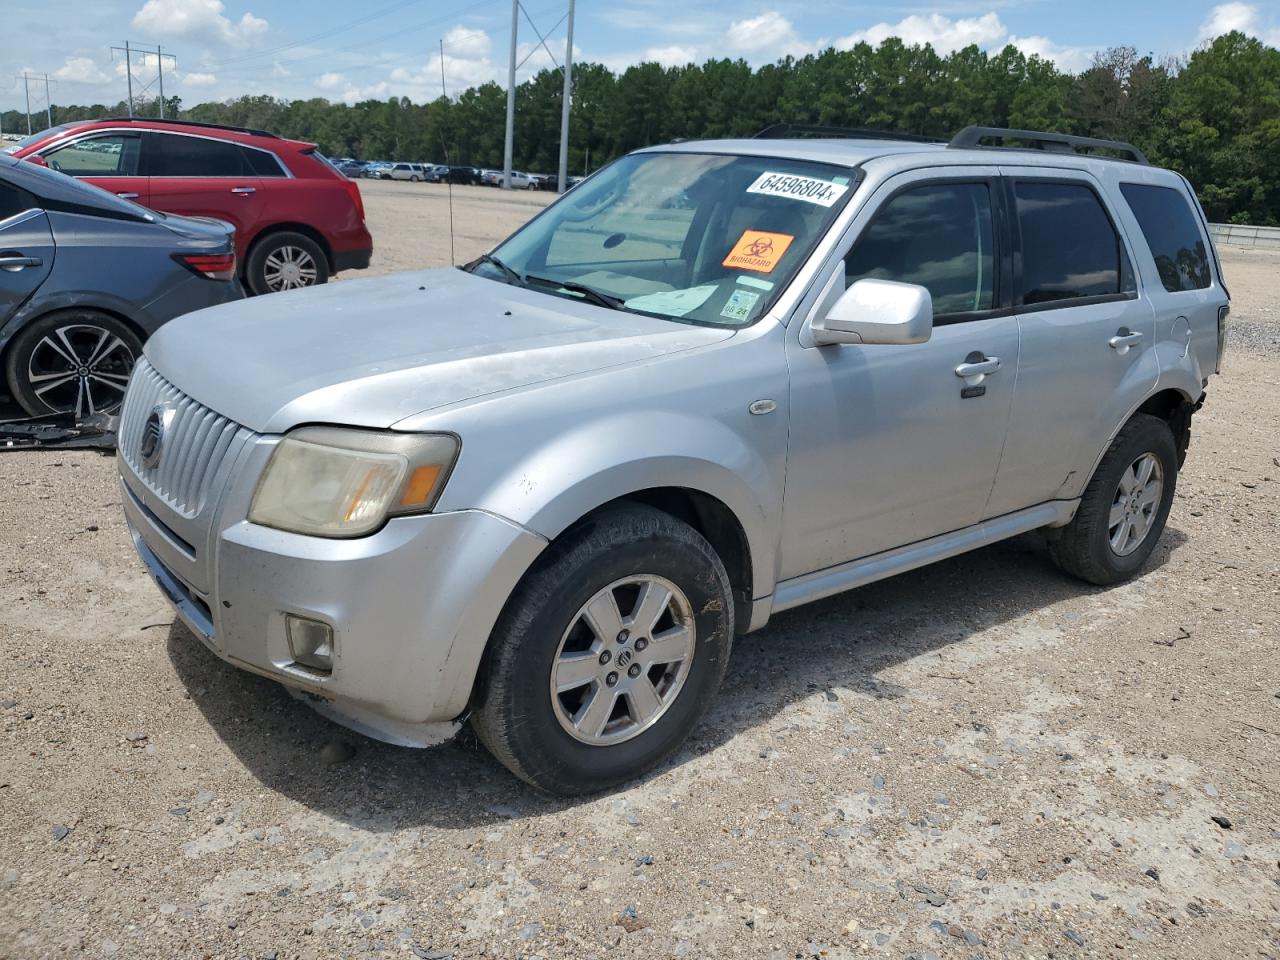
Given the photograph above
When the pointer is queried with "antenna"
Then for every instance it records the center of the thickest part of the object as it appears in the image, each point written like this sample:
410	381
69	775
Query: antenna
448	183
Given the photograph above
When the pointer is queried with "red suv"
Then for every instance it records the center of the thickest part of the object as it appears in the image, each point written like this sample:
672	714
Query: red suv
298	220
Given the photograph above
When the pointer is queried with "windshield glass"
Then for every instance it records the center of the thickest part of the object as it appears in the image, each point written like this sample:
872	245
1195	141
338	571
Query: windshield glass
696	237
36	137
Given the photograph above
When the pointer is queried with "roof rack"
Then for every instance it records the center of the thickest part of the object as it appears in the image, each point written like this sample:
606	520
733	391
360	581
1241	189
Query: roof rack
779	131
972	137
191	123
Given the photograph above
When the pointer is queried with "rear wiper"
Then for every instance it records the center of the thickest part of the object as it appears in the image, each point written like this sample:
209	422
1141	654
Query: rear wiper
510	274
591	293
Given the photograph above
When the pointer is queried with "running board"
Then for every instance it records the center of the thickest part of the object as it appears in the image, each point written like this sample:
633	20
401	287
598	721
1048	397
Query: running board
833	580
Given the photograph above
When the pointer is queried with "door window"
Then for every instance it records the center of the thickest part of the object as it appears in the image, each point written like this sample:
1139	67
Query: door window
112	155
1170	229
1070	250
170	155
939	236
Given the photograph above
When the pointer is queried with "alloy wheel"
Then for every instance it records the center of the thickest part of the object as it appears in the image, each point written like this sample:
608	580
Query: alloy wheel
81	369
623	660
288	268
1136	502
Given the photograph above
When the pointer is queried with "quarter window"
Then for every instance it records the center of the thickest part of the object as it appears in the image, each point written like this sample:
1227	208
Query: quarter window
171	155
109	156
1069	248
262	164
14	201
1171	232
938	236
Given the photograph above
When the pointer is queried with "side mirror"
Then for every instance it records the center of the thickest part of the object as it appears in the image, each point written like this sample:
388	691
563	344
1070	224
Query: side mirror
38	160
876	311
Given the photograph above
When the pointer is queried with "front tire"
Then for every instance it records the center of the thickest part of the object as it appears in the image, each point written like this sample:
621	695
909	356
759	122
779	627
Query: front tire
1124	507
607	654
285	261
72	361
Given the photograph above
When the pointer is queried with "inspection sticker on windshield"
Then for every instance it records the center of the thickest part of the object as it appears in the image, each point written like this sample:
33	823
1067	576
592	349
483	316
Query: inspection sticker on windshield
739	305
809	189
758	251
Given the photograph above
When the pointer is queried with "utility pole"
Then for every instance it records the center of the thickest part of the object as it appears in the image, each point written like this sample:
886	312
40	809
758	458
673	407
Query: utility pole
128	70
48	103
511	99
26	88
160	68
564	106
160	56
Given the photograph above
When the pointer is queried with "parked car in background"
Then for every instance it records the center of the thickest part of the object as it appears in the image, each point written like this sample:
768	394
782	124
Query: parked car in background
490	178
719	380
414	172
351	168
297	220
462	175
519	181
374	169
436	172
85	278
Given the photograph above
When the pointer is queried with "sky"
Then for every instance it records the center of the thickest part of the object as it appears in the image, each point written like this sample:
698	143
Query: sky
350	51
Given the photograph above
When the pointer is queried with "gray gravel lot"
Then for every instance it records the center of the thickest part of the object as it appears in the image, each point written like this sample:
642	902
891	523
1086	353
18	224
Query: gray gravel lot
978	759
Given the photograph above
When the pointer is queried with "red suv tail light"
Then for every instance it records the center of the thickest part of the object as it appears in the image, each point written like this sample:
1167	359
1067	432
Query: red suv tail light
354	189
215	266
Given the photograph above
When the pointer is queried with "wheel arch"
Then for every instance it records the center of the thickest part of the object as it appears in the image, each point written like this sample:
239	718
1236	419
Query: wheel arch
290	226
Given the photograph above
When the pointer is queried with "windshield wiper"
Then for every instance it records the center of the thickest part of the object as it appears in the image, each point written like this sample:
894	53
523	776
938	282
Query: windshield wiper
510	274
590	293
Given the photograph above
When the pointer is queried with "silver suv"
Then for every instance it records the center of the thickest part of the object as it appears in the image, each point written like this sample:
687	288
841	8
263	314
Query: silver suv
717	380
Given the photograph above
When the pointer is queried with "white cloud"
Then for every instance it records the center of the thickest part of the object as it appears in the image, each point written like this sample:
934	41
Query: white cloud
1244	17
199	79
81	70
673	56
197	20
331	81
278	69
943	33
467	43
770	34
1068	59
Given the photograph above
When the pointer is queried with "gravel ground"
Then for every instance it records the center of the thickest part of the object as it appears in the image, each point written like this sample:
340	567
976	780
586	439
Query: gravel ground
978	759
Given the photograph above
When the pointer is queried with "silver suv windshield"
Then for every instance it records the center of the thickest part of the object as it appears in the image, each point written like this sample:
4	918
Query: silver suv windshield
702	238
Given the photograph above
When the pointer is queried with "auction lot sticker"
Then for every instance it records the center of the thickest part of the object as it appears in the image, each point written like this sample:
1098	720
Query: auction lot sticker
757	250
809	189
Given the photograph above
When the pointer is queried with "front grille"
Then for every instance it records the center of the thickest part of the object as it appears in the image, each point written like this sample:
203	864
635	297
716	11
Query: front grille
195	444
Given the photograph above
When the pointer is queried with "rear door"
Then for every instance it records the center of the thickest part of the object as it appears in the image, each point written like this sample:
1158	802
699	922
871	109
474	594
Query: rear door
109	160
26	249
1086	335
203	177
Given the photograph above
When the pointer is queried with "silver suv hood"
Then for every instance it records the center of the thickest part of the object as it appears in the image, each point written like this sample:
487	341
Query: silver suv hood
372	352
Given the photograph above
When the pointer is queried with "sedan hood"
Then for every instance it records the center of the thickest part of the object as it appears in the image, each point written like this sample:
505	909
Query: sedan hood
371	352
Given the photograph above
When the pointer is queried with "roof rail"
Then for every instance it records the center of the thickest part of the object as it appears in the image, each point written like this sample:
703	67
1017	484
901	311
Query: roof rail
972	137
779	131
191	123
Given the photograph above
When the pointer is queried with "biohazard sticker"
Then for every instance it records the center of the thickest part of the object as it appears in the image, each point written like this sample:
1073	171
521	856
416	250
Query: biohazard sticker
809	189
758	251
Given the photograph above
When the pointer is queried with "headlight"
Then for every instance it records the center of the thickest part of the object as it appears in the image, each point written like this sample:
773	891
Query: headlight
334	482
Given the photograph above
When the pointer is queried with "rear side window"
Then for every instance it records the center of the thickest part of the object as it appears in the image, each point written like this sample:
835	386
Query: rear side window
262	164
938	236
1069	247
171	155
14	201
1170	229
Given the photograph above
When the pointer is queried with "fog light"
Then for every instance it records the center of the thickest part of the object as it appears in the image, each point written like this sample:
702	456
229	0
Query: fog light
310	643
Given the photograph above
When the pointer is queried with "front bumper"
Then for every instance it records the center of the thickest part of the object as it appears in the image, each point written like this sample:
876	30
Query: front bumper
411	607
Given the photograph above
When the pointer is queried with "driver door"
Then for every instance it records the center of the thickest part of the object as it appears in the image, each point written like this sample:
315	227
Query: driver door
889	445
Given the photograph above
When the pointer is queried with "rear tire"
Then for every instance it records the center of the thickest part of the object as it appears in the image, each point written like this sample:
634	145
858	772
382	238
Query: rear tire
1124	507
285	261
551	659
72	361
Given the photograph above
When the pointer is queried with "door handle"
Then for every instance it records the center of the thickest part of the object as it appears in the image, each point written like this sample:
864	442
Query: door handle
127	196
1123	340
244	190
977	367
14	263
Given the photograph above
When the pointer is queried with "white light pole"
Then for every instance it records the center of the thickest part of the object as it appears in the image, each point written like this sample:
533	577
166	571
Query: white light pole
511	99
564	106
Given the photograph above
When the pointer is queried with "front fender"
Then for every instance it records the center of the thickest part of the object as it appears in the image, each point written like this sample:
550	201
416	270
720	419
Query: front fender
556	483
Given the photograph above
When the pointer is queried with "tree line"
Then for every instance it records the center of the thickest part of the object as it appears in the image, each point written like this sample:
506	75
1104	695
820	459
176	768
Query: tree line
1213	115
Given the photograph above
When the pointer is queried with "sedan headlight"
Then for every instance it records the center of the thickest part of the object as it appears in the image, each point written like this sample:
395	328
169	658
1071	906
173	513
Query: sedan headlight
335	482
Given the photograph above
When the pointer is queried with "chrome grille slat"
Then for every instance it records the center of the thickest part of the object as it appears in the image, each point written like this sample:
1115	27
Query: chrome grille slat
197	442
